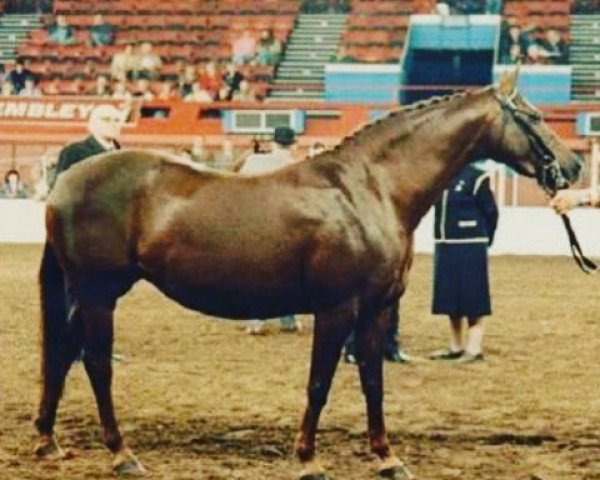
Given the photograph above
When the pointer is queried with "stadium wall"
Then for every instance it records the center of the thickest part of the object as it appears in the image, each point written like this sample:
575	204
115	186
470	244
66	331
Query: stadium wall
521	230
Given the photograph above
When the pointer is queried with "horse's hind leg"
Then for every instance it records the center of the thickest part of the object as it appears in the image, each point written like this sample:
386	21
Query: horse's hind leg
369	344
98	327
331	330
56	368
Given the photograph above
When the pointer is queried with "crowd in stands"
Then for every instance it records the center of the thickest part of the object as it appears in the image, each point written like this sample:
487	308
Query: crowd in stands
195	83
26	6
325	6
473	7
139	69
582	7
532	45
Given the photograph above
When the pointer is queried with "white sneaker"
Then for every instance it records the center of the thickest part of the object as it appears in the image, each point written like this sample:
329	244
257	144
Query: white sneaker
256	330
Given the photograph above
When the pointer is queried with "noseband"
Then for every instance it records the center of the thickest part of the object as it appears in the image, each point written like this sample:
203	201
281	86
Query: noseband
549	176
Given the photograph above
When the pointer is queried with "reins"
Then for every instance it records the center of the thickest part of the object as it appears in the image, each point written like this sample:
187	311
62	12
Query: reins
549	174
585	264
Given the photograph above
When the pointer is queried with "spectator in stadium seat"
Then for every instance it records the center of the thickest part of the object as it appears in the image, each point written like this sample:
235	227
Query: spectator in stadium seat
101	87
74	87
124	64
514	44
465	223
18	75
555	49
243	48
7	89
232	79
269	49
246	93
13	187
30	89
167	92
102	33
149	63
143	91
198	94
186	80
211	80
121	92
61	32
52	87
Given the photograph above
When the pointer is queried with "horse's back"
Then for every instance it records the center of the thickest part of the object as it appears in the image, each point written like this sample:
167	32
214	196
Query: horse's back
94	209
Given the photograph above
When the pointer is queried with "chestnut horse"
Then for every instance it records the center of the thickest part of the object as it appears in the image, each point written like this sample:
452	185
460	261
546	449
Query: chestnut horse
331	236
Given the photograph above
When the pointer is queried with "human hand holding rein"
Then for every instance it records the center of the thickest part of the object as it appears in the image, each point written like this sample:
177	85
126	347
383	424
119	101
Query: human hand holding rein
565	200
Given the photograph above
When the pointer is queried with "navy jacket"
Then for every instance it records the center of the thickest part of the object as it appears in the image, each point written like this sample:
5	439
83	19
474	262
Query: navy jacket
467	211
78	151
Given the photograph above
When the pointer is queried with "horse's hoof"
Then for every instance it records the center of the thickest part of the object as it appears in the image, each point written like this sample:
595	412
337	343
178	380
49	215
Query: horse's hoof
127	464
47	447
397	472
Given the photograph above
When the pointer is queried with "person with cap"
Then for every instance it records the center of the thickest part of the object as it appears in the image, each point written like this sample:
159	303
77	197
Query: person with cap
104	126
258	163
465	224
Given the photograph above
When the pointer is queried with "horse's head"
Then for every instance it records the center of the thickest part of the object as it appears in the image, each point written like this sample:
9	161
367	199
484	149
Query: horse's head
528	144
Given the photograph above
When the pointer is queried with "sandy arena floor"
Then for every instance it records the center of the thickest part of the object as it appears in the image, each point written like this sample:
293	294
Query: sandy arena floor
199	399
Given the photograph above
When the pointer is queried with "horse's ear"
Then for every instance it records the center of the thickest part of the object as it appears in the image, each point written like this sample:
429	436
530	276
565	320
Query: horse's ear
508	82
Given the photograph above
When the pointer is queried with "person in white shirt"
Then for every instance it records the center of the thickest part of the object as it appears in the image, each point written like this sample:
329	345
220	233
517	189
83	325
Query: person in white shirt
257	163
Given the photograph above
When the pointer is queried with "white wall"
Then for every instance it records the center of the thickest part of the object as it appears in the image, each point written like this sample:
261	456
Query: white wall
530	231
521	230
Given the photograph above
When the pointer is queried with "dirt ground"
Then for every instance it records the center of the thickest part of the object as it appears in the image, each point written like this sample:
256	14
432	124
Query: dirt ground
199	399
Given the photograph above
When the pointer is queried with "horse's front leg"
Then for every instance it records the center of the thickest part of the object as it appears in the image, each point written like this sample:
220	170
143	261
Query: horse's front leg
98	341
330	332
369	344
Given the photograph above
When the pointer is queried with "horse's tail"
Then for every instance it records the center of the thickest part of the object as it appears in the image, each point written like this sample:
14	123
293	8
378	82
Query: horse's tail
54	313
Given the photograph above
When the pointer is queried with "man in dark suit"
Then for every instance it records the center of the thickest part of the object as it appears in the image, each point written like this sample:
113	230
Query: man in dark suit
392	351
104	125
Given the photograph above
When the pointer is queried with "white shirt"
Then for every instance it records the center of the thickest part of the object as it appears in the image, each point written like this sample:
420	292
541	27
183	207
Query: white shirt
267	162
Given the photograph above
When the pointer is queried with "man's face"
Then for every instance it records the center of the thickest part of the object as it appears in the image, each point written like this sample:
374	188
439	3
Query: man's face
107	126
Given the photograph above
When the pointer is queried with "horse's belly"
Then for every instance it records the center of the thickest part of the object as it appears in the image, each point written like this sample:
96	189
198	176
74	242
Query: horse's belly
242	304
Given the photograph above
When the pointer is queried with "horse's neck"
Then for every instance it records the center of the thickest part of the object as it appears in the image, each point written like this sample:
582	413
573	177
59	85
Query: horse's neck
420	165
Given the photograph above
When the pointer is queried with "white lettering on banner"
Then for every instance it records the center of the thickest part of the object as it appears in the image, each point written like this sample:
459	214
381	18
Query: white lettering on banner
36	110
67	110
85	110
50	110
14	109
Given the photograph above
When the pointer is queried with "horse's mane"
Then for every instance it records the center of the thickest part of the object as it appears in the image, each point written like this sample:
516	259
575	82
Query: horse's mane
407	113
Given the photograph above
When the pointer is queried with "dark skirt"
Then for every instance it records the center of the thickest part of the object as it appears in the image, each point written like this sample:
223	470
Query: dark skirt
460	280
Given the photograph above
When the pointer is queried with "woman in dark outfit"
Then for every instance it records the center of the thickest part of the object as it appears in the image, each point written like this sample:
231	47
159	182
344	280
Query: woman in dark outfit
465	223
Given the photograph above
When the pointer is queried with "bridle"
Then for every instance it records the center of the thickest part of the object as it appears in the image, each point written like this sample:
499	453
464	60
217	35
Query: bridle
549	176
